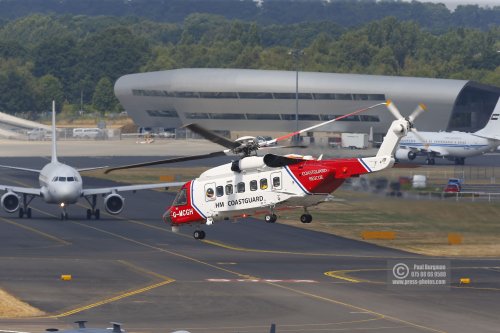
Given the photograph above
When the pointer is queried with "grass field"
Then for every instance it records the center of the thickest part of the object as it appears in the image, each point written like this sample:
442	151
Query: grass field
10	307
421	226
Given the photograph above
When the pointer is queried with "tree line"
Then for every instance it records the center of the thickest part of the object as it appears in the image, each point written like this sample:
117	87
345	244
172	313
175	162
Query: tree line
66	57
348	13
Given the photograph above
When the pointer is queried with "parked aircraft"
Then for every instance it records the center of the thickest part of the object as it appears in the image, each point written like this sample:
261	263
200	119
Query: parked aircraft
256	185
454	146
62	184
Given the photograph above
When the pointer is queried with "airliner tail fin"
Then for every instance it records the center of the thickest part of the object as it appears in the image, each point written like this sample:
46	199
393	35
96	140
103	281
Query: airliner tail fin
492	128
54	133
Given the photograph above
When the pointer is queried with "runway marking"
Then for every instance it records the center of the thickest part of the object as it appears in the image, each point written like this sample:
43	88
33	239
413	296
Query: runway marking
380	315
262	280
143	270
110	300
166	280
330	300
5	331
242	249
38	232
340	275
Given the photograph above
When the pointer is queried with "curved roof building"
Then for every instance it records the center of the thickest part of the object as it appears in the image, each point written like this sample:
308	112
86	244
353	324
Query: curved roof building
265	100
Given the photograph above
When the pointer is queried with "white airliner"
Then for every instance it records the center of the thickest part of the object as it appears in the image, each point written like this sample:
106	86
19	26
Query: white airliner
454	146
62	185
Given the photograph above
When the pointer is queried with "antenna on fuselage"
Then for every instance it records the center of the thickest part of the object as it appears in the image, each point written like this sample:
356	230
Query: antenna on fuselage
54	136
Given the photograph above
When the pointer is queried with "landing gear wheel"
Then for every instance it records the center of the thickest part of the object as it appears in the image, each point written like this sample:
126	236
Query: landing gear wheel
306	218
199	234
89	214
21	212
28	213
64	216
270	218
430	161
97	214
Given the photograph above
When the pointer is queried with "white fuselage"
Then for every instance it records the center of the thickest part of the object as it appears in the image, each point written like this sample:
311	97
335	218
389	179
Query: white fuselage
60	183
450	144
249	192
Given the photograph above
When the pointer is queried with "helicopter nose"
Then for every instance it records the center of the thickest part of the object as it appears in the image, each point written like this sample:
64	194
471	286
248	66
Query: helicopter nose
166	217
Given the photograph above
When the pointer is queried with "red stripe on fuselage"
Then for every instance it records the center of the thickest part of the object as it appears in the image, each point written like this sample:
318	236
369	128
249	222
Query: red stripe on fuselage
325	176
186	213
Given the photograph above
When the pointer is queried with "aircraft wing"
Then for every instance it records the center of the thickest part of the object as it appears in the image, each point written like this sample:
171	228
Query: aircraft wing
107	190
20	190
93	168
18	168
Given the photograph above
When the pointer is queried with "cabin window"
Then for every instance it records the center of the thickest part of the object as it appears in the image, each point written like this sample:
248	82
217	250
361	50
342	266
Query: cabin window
181	198
209	192
219	191
263	184
240	188
229	189
253	185
276	182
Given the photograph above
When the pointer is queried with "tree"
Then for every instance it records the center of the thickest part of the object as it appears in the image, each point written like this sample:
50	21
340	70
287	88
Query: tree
104	98
48	88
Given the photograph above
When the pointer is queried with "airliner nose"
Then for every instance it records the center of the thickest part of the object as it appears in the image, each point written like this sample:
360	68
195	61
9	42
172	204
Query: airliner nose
68	193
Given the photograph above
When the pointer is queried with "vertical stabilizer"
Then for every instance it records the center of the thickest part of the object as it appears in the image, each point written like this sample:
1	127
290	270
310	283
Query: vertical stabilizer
492	128
54	134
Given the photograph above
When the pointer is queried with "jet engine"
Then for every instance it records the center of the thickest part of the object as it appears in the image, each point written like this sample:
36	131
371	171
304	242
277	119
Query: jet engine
114	203
10	202
405	154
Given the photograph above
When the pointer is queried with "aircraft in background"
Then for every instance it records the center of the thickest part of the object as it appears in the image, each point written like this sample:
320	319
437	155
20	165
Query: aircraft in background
454	146
254	185
62	184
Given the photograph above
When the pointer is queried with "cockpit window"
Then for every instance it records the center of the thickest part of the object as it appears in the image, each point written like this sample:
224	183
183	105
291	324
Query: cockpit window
70	179
55	179
62	179
181	198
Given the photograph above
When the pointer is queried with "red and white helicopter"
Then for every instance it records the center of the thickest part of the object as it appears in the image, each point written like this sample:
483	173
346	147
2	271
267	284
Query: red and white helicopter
262	185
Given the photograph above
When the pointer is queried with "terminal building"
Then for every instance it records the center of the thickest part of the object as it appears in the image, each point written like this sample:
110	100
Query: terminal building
263	101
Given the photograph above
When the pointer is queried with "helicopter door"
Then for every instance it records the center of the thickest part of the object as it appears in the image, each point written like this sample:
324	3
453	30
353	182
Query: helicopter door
210	192
276	180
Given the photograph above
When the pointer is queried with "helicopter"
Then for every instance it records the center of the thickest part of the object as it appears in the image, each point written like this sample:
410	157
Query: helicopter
262	185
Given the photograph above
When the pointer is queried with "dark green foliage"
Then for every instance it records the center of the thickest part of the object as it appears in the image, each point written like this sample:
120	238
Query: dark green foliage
60	56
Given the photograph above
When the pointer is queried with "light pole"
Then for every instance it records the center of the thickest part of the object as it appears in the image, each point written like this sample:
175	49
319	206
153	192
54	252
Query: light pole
296	54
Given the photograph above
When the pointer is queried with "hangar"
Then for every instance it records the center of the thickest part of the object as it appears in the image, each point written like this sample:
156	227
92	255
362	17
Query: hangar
257	101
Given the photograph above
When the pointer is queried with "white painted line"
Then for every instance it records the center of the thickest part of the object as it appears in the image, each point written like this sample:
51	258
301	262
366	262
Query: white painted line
12	331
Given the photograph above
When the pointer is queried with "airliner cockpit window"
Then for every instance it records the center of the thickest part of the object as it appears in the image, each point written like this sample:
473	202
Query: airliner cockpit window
181	198
55	179
70	179
62	179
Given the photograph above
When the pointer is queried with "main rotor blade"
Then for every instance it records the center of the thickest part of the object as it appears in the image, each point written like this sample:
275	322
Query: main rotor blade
277	161
418	135
284	137
214	137
394	110
167	161
420	108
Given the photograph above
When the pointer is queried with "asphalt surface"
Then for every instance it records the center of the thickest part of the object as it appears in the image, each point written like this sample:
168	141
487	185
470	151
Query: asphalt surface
132	269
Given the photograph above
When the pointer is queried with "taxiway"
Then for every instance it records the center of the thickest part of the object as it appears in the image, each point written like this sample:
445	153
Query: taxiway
132	269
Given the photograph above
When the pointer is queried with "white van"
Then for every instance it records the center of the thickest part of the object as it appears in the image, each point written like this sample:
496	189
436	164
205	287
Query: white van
88	133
